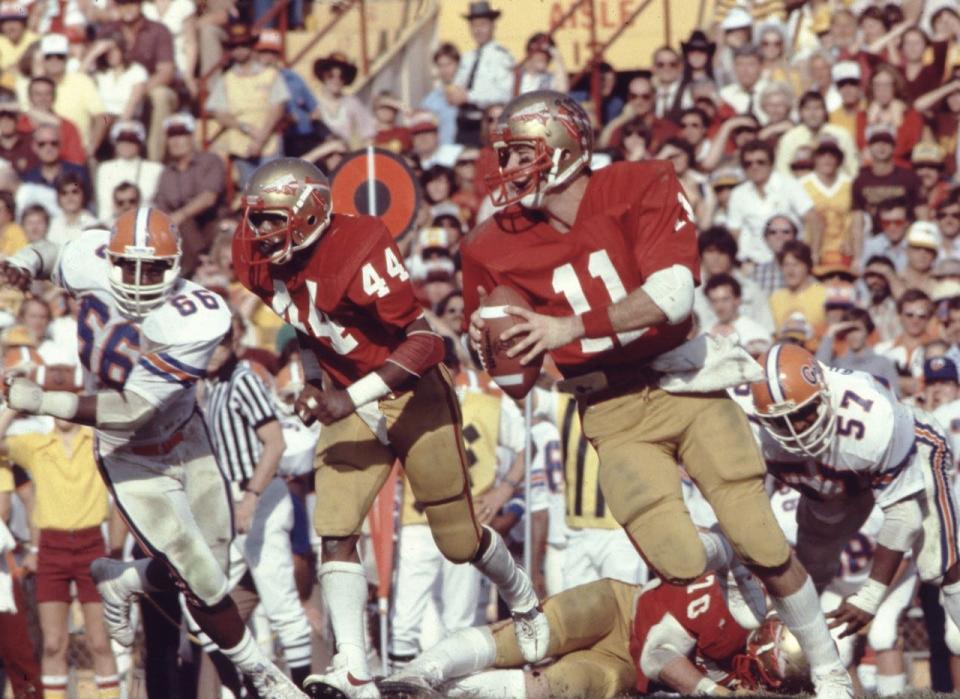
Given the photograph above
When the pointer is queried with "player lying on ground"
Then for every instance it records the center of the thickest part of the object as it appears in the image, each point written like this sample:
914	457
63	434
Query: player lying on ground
145	338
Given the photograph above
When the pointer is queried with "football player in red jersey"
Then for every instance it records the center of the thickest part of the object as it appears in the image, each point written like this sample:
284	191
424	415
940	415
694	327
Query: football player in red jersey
608	261
611	638
340	282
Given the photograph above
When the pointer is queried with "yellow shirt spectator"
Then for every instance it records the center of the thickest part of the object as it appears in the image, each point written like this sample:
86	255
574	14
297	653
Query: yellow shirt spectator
808	301
12	238
70	494
11	53
78	100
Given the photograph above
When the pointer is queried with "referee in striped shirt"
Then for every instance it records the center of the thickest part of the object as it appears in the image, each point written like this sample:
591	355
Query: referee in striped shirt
248	441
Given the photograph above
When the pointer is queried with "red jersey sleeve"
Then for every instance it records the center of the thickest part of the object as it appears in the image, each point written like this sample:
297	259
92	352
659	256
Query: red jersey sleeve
660	226
474	276
382	285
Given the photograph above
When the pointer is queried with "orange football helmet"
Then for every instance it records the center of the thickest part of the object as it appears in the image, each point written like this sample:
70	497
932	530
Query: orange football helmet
22	361
144	255
773	659
286	206
288	385
793	401
561	135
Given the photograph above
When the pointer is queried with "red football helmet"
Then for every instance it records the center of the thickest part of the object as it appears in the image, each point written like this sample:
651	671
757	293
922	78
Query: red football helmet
286	207
794	391
773	659
560	133
147	244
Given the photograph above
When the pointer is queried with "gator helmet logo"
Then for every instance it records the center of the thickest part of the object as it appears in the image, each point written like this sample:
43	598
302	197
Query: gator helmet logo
812	374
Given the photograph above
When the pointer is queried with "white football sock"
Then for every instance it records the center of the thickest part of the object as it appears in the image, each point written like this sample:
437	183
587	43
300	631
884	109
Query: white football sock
511	580
951	601
800	612
888	685
343	587
246	655
461	653
719	553
495	684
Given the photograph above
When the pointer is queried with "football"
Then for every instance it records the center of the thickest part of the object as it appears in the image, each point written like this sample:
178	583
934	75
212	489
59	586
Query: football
513	378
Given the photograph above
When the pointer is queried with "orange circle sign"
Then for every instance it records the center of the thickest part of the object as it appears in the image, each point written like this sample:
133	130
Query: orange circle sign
377	182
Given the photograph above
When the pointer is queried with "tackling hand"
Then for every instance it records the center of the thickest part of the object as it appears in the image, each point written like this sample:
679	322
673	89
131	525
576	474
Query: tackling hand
14	277
326	406
851	615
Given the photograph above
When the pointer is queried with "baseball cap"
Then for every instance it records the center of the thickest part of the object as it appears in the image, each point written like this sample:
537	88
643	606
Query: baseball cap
468	155
127	131
923	234
54	45
940	369
840	296
927	153
826	144
881	132
846	70
796	327
423	121
181	124
737	18
386	99
726	177
13	10
269	40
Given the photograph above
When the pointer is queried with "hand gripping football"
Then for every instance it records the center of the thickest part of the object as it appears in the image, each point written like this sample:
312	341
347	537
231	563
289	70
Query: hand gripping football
514	378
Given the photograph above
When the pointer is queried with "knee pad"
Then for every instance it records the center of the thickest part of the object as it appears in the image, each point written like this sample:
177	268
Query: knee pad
747	520
673	550
454	529
197	571
883	634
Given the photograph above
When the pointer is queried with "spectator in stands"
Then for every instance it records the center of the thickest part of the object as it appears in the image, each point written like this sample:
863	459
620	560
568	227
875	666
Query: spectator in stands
180	18
634	141
895	218
723	180
812	128
927	161
640	100
846	77
914	309
484	77
886	106
736	27
718	255
190	189
920	73
542	69
150	44
883	287
923	242
12	236
35	221
831	192
778	231
248	100
388	110
345	115
698	53
15	147
667	73
744	93
696	186
129	165
47	147
723	293
763	194
77	97
126	197
853	332
776	101
73	218
727	141
773	56
15	35
121	83
693	129
41	94
881	179
948	220
446	61
611	103
801	293
214	16
424	134
301	131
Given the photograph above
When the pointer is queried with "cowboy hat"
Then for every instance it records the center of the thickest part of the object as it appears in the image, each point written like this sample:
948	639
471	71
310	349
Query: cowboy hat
335	60
698	42
481	9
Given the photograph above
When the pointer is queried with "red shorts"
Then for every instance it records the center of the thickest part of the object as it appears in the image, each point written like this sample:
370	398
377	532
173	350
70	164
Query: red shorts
66	556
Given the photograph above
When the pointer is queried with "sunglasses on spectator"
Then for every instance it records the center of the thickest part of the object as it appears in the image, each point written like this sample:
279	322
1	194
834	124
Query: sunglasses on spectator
893	222
43	144
951	213
778	231
914	314
750	162
847	82
641	95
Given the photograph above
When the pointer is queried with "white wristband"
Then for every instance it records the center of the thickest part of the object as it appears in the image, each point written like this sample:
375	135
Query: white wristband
705	686
61	404
869	596
368	389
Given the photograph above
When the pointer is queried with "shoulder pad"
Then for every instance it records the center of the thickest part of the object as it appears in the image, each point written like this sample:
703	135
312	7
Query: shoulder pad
83	262
191	315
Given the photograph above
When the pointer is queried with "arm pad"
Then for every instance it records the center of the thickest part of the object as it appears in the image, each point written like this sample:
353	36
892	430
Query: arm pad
39	258
421	350
666	641
122	410
901	522
672	290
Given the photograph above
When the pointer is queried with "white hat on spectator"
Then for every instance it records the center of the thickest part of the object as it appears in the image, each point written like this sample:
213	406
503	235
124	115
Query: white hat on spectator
13	10
846	70
923	234
737	18
422	121
128	128
54	45
179	124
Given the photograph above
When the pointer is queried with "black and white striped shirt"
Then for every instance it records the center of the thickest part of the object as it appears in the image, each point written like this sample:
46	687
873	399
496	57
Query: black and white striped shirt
235	409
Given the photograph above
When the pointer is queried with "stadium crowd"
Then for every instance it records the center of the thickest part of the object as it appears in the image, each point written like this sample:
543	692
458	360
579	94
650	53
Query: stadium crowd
816	141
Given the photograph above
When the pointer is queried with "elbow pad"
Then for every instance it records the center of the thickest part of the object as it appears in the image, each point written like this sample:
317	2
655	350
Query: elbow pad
902	522
39	258
421	350
672	290
124	410
666	641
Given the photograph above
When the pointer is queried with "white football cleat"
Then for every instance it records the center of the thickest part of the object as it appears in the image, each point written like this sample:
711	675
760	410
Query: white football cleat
533	633
117	599
339	683
270	683
835	684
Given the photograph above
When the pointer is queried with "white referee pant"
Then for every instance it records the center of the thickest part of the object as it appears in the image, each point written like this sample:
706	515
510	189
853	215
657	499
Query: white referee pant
593	554
421	570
